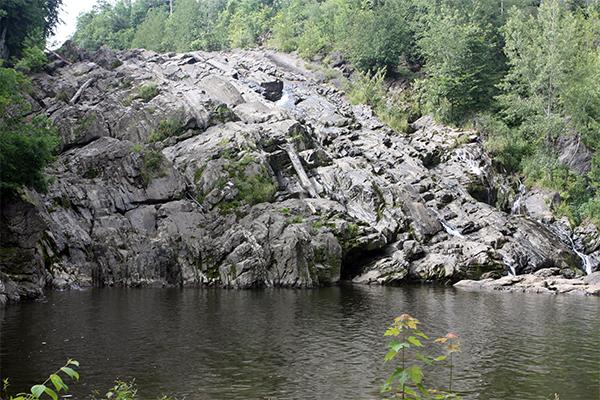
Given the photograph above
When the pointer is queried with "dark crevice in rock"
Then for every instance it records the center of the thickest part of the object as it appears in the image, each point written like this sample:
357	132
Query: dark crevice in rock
355	261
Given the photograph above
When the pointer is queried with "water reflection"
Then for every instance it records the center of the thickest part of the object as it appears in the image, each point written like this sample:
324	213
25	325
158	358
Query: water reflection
301	344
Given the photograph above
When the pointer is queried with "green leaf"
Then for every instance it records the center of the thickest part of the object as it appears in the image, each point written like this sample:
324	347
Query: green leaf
70	372
385	388
390	355
73	362
404	375
416	374
414	341
58	382
392	331
416	332
393	343
37	390
440	358
424	359
396	345
51	393
425	392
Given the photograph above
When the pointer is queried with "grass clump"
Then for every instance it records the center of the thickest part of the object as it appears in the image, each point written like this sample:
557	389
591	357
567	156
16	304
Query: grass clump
252	188
165	129
147	92
152	165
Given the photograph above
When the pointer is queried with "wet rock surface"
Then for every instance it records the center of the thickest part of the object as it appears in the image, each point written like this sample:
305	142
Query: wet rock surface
243	169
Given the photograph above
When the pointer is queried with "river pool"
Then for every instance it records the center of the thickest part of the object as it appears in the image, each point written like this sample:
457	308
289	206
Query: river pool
301	344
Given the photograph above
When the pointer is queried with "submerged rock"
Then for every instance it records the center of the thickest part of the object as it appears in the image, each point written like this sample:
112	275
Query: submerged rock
242	169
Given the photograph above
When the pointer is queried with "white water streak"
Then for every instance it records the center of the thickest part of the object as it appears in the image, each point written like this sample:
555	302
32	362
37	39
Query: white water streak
587	264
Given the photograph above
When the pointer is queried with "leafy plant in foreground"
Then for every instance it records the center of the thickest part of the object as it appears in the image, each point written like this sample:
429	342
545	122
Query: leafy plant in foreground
410	377
451	347
38	390
121	391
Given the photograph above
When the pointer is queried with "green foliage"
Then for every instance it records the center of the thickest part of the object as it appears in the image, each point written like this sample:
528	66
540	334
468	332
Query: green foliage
377	37
151	33
253	184
507	147
152	163
32	57
198	174
147	92
105	25
121	391
27	141
550	90
136	147
37	391
540	52
367	88
62	96
21	20
461	75
410	377
247	22
222	114
165	129
116	64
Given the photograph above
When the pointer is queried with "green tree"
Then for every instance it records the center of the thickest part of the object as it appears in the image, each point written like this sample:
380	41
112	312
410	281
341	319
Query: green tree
19	18
540	50
552	89
247	22
105	25
458	50
377	36
27	141
151	33
193	26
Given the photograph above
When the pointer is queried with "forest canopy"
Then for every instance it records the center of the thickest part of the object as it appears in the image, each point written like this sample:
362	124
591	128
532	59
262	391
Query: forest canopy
25	25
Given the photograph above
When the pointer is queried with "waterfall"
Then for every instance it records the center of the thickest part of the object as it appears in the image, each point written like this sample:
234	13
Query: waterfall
512	270
449	230
587	264
516	207
287	100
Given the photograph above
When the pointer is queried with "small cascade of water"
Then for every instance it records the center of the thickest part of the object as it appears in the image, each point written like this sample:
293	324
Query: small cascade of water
512	270
472	158
587	264
287	99
515	209
450	230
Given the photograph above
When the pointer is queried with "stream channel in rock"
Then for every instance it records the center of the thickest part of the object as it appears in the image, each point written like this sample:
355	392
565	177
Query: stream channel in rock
324	343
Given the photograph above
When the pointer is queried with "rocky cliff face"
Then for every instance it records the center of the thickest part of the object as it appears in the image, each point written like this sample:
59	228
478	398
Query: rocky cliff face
244	169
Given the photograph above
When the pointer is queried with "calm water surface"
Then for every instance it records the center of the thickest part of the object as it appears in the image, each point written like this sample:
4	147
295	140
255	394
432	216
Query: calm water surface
301	344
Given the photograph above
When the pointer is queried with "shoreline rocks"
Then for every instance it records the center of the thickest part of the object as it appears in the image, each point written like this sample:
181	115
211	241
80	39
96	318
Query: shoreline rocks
537	283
